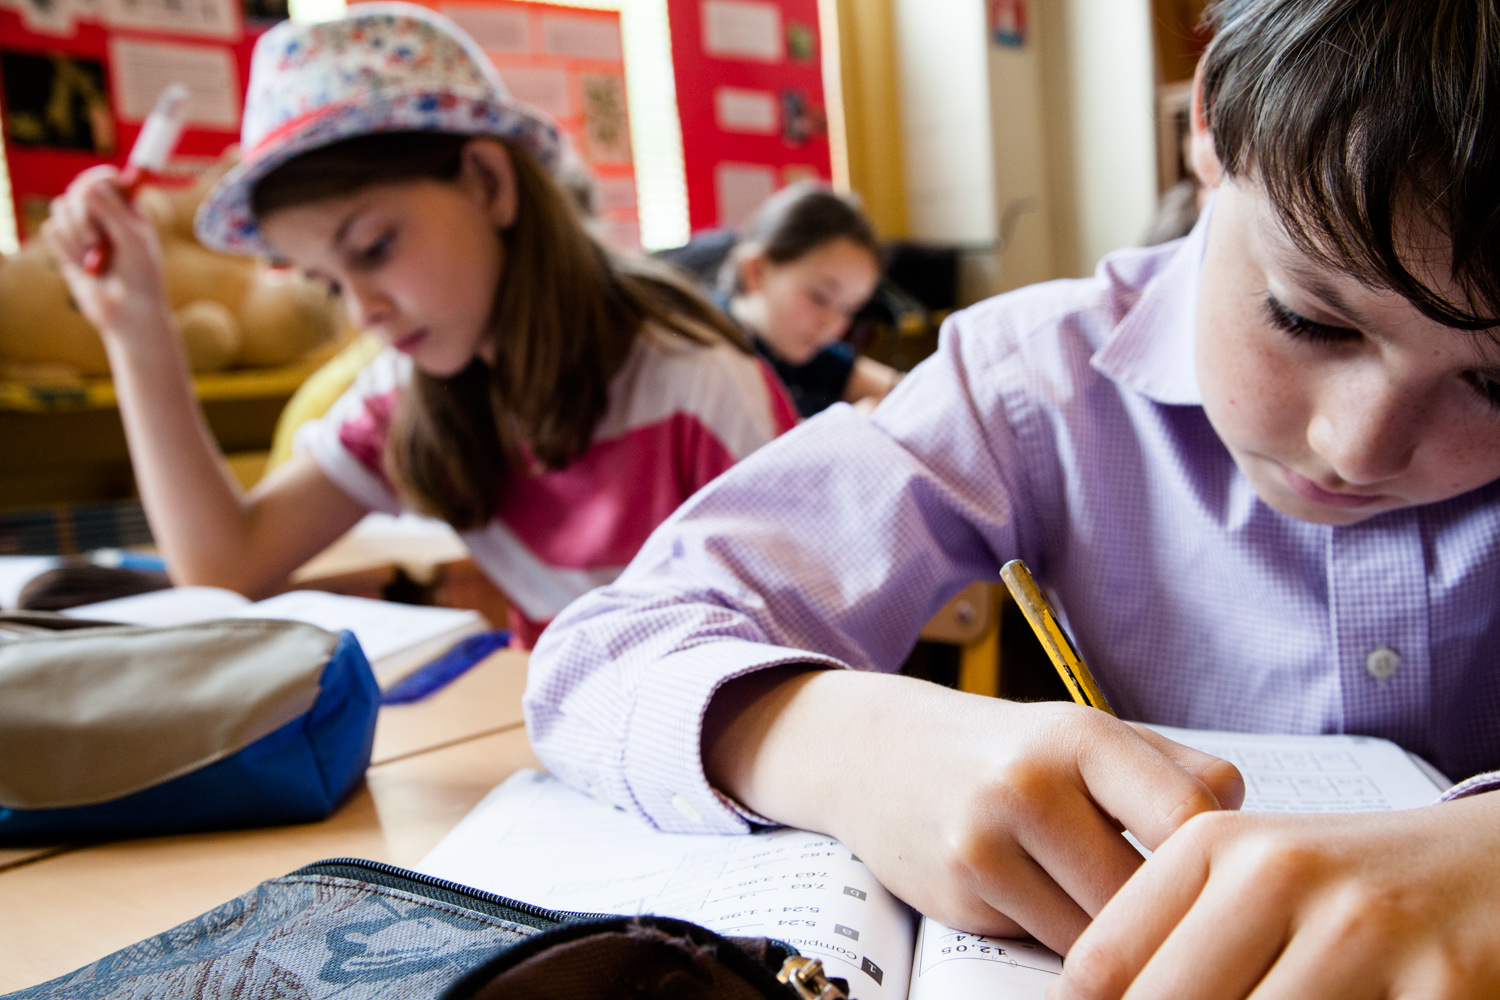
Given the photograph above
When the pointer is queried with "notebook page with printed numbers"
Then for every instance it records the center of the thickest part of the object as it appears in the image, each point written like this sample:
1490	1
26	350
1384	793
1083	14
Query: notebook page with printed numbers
537	840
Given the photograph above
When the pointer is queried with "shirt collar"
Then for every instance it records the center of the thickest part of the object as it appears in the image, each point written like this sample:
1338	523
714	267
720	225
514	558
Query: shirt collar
1152	348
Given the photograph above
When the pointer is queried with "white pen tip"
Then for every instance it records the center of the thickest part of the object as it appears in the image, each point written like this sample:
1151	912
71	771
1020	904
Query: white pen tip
161	130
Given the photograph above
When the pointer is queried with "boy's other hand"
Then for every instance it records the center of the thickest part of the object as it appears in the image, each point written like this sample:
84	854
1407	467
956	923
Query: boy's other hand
131	292
1378	905
993	817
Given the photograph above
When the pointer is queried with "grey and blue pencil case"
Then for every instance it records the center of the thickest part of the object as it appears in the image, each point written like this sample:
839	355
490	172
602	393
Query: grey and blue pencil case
119	730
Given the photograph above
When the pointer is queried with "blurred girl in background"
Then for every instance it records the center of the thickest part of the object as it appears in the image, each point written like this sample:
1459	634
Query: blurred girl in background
801	269
551	400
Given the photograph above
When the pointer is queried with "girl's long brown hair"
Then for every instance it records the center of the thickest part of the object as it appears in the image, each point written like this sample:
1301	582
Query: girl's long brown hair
566	314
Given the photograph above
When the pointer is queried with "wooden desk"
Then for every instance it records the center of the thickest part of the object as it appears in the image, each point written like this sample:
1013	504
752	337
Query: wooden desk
437	759
485	700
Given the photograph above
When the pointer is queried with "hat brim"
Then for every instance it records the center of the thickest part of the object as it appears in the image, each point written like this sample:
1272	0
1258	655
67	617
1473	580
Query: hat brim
225	221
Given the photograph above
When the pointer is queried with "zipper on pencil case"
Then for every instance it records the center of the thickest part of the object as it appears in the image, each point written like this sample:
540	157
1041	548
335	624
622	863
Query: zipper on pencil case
799	974
392	877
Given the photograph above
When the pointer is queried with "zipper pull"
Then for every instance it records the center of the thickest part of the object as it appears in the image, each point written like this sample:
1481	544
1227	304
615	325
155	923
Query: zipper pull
805	976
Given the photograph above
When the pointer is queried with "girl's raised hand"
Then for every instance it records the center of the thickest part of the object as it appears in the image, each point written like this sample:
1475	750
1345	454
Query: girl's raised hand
128	299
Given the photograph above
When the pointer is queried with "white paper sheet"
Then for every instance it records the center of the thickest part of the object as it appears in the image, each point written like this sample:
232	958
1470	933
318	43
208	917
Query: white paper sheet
742	29
950	963
741	188
496	29
750	111
213	18
395	637
581	37
17	571
162	608
142	70
1317	774
544	88
536	840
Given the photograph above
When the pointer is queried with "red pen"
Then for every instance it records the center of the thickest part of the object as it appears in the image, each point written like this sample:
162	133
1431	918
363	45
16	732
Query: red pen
152	149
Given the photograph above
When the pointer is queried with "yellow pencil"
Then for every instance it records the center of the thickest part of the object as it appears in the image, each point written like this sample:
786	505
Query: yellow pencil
1038	611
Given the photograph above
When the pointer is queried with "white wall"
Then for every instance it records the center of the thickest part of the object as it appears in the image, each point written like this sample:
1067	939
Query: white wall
1024	177
1112	81
943	80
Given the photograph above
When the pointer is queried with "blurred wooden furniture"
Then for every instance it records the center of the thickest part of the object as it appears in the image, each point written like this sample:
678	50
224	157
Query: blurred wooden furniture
61	441
971	621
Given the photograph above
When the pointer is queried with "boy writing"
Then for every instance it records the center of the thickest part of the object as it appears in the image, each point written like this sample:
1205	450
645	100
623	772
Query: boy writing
1259	469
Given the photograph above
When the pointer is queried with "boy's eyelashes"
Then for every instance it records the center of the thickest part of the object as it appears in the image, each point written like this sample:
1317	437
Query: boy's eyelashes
1310	330
1486	386
1299	326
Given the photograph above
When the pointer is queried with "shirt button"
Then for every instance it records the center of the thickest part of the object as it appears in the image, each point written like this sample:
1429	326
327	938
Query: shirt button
689	811
1382	663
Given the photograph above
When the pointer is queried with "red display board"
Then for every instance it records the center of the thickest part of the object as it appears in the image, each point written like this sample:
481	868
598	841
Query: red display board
569	63
750	96
77	78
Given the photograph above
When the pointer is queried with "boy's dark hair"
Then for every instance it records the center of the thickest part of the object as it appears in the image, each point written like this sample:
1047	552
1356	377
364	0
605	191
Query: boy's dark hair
567	314
796	221
1362	117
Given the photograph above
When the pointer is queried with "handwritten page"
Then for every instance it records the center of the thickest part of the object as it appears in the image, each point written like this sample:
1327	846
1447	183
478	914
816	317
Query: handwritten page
536	840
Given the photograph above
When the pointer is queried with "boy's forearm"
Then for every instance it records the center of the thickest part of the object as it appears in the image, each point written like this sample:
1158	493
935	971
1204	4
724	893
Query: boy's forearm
799	745
764	738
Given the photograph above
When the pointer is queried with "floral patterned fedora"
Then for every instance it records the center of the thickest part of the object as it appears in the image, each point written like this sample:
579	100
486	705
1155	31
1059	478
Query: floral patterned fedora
383	67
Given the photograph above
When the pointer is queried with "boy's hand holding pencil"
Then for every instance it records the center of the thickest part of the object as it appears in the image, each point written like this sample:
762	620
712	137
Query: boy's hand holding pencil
997	817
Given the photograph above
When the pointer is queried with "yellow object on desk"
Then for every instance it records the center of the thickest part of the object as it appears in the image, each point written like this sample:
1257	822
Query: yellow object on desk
1049	631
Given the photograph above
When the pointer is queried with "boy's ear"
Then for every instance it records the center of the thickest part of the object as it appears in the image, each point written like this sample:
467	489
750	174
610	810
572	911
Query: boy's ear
1205	161
487	172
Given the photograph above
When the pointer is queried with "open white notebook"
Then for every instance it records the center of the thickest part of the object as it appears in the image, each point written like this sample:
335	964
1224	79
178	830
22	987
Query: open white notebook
536	840
396	638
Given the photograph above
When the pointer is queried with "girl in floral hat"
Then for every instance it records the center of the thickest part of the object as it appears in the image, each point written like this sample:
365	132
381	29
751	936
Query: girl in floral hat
552	401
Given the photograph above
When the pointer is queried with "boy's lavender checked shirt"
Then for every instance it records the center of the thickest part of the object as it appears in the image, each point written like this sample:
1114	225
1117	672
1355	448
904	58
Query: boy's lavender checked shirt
1061	424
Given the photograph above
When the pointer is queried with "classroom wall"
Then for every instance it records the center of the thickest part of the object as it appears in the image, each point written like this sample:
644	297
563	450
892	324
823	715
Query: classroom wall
1028	172
1040	159
942	77
1104	62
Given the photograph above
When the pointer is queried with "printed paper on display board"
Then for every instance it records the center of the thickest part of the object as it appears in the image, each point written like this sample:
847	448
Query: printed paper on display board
212	18
748	111
142	70
496	29
742	29
568	63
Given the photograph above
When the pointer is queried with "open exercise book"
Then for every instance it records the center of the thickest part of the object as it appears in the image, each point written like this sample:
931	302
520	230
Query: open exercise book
396	638
536	840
